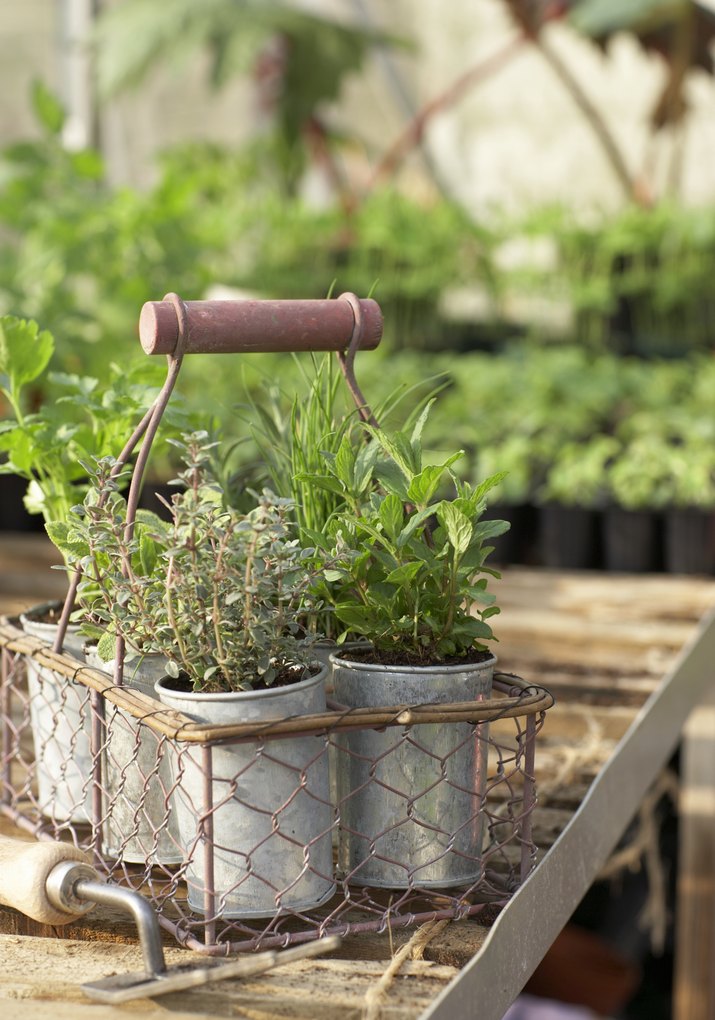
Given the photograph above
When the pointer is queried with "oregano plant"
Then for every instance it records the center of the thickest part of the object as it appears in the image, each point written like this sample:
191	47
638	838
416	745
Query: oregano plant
217	592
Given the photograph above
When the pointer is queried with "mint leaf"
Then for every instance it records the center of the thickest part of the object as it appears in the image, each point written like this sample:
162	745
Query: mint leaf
424	485
391	515
456	525
24	351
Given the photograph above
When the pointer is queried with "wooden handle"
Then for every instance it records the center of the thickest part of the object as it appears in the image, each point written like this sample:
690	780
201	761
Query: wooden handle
24	870
225	327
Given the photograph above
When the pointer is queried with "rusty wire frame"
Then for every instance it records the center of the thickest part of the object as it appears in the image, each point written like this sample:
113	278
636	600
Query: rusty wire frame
125	811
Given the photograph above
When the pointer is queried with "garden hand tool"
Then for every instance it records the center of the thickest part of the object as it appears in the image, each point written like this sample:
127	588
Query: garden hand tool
54	883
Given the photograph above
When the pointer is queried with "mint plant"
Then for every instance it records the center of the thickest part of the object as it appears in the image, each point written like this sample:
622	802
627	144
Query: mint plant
405	559
85	419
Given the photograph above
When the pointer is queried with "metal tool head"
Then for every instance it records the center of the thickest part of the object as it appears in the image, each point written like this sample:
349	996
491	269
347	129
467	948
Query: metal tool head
79	885
121	988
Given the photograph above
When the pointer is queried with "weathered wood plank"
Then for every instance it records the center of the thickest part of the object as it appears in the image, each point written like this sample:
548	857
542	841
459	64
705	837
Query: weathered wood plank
586	685
600	596
46	975
567	722
643	645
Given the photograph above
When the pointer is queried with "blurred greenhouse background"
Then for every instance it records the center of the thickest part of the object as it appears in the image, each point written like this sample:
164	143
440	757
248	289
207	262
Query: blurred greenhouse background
525	186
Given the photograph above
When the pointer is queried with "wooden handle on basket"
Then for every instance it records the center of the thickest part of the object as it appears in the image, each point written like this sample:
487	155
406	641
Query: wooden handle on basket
25	868
225	327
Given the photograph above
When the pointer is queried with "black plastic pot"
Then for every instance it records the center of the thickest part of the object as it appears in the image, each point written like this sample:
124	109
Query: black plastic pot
517	545
13	515
631	540
690	541
569	537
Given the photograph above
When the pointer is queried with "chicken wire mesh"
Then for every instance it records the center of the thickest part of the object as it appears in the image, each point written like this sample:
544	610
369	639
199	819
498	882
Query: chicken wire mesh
265	835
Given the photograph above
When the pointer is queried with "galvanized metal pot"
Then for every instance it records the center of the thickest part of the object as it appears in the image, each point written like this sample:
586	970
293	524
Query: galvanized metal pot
409	799
61	721
270	804
324	651
138	824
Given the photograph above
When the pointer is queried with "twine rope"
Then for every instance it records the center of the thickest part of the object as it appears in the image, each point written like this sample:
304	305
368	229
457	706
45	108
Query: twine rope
412	950
591	751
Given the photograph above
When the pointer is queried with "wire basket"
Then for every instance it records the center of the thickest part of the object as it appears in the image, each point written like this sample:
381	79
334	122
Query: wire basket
113	771
299	824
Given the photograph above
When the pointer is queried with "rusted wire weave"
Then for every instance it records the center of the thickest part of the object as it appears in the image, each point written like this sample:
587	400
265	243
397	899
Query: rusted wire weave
126	770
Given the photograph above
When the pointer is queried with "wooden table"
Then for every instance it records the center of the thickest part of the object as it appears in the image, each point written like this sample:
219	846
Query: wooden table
611	648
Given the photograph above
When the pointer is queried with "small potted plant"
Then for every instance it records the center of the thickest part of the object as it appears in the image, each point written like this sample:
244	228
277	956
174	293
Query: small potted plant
137	826
47	447
406	572
511	500
220	600
663	478
573	494
292	435
638	482
671	473
690	520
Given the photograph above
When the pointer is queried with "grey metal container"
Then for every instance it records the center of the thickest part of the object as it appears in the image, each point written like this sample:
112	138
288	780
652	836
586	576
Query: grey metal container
409	801
324	651
61	721
138	824
272	817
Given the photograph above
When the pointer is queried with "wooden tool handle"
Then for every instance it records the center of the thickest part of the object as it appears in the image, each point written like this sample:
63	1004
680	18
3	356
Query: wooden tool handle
224	327
24	870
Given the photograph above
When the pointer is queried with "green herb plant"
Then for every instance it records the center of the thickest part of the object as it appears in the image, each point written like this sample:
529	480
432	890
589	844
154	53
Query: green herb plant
637	282
82	254
291	438
404	560
215	591
578	475
49	446
654	472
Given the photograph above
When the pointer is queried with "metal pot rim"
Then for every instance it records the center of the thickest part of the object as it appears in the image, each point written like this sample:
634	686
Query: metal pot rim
32	615
242	696
366	666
